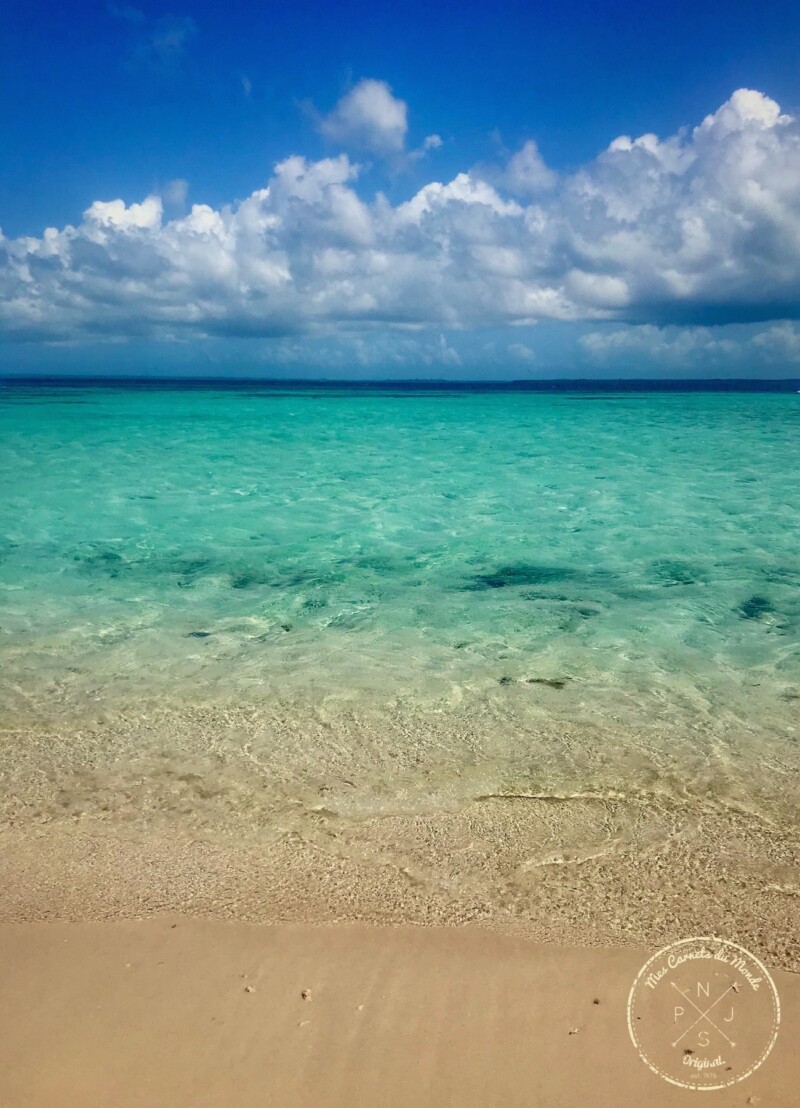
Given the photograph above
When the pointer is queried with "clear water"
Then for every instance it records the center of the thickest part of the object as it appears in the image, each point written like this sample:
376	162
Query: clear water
568	586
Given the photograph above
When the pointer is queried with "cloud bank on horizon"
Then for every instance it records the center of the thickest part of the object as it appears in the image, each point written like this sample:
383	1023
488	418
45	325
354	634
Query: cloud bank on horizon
692	231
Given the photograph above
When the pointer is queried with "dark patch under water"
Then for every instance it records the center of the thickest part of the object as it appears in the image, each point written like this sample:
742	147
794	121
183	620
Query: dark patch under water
669	571
550	597
782	574
755	607
550	682
248	579
7	548
522	574
186	570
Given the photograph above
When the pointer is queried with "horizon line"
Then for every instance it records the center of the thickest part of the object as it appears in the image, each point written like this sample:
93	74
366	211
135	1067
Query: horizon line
417	382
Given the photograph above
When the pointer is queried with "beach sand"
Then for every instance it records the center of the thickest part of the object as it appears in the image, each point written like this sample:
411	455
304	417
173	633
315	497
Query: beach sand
190	1004
164	910
175	1012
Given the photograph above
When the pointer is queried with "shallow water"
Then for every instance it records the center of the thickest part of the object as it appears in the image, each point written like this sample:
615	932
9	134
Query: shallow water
407	599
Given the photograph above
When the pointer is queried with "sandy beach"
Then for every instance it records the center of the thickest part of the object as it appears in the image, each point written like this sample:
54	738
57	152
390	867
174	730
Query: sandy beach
130	976
176	1012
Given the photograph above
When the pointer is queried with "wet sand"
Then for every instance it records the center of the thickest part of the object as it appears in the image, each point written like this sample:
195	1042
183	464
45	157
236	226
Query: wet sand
176	1012
168	897
504	864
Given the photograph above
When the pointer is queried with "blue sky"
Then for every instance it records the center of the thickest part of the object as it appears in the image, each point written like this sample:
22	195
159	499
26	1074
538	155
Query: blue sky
499	190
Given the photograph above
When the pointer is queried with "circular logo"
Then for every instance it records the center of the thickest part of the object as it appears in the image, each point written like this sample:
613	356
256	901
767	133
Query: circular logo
703	1013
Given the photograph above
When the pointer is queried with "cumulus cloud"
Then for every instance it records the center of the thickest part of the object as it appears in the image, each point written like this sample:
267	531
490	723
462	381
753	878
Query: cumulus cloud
670	346
695	229
353	353
652	347
779	343
524	174
371	118
432	142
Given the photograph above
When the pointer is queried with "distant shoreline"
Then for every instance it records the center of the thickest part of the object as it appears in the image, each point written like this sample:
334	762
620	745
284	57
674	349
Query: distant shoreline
566	384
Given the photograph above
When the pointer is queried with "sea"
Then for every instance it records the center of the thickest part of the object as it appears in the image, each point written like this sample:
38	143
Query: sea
250	608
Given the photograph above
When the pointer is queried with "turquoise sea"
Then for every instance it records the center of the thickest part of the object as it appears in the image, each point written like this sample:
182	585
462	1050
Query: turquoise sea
217	600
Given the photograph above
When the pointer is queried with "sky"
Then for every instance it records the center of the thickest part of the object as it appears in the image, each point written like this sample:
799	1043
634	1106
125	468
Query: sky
353	190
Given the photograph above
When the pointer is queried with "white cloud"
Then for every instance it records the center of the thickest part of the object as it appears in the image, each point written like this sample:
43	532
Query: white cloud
746	107
371	118
521	352
695	347
114	214
526	173
368	117
372	352
432	142
779	343
699	228
664	346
